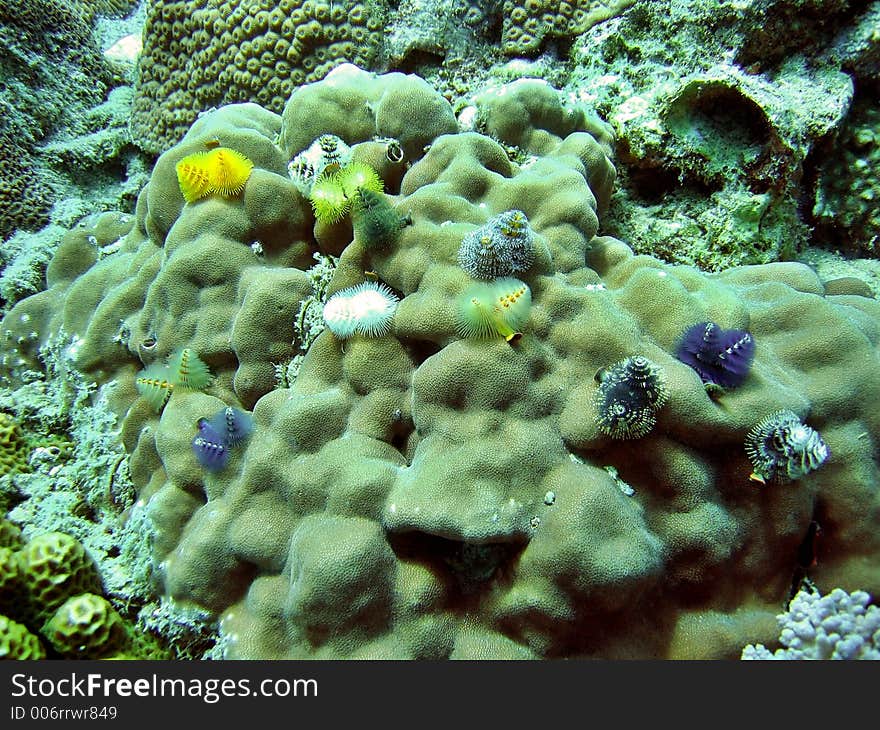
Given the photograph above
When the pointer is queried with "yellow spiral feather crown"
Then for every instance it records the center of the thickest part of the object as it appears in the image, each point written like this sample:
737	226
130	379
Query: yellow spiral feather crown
220	171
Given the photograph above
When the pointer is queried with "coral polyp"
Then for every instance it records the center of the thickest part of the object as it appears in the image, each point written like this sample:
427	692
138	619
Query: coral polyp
497	309
782	448
221	171
366	309
328	199
502	247
720	357
630	394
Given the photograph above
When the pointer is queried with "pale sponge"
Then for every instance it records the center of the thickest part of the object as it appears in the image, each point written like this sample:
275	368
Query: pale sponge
366	309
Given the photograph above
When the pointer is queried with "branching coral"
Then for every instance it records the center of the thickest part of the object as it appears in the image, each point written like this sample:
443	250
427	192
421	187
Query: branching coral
838	625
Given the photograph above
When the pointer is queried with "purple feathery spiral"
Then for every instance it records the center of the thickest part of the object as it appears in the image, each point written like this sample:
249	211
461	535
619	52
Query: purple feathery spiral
233	425
209	447
719	356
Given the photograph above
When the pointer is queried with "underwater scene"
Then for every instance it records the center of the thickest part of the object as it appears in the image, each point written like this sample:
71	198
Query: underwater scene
439	329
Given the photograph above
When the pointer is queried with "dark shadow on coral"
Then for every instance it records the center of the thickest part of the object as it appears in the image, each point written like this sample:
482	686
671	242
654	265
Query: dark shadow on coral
468	570
421	350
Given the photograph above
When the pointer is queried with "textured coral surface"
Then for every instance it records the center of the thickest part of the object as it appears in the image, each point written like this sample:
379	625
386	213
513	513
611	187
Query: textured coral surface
530	24
203	53
48	53
418	495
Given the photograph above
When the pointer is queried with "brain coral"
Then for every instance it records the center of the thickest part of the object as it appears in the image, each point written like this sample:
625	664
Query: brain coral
13	448
16	642
418	495
204	53
527	25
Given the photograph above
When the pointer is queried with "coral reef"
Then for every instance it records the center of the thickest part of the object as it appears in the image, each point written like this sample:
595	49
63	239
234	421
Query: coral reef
60	131
530	24
46	589
77	483
718	149
420	495
39	38
847	195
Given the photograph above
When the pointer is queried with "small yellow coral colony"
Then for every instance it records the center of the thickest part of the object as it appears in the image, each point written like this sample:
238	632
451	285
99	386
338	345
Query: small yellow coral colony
221	170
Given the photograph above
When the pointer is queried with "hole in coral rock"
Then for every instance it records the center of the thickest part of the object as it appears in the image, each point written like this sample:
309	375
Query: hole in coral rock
651	185
468	569
421	350
417	59
724	132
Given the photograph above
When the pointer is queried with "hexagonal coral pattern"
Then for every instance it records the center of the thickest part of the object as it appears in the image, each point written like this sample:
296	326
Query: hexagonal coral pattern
202	53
